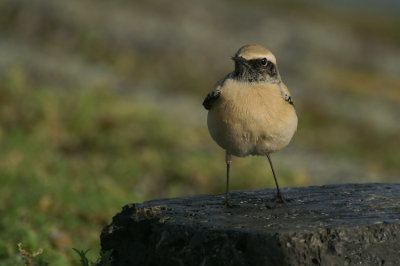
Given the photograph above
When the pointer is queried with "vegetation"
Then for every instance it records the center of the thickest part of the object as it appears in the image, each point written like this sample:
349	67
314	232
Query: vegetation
31	258
104	260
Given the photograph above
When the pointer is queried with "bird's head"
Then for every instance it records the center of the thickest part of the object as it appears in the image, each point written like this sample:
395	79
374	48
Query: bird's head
254	63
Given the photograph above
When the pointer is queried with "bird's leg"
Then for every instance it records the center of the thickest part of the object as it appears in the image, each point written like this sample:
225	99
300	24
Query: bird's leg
279	196
228	160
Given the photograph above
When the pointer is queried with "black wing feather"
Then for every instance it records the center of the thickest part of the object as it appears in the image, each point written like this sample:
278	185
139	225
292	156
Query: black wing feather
289	100
211	98
215	93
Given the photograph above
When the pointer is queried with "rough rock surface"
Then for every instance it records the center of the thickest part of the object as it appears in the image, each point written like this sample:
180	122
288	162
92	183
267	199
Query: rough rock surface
349	224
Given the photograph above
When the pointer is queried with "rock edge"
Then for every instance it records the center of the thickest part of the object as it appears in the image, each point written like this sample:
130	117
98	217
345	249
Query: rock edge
345	224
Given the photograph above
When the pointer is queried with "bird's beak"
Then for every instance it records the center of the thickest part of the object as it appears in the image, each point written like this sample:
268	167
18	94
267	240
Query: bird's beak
237	58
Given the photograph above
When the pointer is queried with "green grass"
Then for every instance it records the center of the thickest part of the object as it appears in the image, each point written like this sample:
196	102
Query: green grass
105	258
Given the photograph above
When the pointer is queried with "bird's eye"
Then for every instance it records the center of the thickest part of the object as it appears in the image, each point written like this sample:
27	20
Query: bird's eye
264	61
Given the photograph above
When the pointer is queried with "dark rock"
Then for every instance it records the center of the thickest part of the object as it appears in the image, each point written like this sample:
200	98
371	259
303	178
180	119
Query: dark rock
328	225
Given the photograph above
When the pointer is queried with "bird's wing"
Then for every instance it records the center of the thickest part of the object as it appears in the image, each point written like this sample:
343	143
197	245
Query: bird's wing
286	93
288	98
213	95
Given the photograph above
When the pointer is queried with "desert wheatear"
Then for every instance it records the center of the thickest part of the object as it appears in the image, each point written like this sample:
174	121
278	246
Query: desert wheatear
251	111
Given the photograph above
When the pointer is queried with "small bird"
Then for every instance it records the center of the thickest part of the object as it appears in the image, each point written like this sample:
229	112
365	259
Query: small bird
250	111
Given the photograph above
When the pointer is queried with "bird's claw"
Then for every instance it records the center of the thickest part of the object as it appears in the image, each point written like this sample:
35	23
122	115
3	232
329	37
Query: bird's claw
228	202
280	199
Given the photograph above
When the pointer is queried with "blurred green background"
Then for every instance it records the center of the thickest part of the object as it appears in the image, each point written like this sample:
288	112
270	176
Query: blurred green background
100	106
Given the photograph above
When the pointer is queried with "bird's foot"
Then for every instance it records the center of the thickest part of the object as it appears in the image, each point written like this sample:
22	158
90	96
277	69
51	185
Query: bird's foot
228	202
280	199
